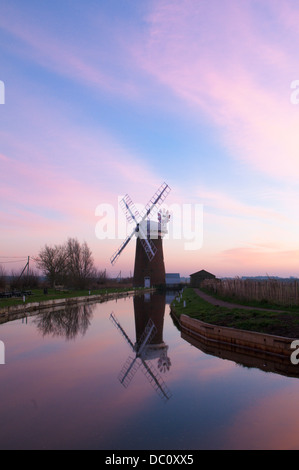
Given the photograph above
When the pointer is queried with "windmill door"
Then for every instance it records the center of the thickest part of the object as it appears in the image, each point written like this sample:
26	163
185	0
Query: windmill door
147	282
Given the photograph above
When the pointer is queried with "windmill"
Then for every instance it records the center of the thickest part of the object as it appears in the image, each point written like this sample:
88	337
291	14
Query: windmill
149	266
141	359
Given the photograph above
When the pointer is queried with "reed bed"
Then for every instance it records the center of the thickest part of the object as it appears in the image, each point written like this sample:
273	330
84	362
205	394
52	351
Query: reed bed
270	291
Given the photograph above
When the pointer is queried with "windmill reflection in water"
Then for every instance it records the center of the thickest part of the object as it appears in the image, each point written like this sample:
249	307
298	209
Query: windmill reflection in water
149	345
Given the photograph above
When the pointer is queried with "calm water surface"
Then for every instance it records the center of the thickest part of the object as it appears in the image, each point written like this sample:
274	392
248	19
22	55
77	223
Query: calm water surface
74	380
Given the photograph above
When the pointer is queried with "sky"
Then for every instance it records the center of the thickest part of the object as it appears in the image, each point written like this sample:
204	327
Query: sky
103	98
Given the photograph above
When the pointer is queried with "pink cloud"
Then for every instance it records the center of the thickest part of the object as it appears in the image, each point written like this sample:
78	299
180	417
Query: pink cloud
234	73
72	58
228	205
46	200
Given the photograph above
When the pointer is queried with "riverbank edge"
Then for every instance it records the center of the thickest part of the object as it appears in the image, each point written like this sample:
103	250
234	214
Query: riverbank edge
277	345
46	304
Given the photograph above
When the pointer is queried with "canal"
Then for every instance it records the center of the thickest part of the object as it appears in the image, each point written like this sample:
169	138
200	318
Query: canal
119	375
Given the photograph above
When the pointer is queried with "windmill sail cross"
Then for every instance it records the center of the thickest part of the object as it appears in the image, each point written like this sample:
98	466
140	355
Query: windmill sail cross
133	216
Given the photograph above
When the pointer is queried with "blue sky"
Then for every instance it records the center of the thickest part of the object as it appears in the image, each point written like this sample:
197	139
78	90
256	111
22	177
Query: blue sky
104	98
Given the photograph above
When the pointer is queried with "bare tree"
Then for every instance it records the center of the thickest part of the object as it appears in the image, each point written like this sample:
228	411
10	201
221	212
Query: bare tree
80	264
70	264
52	261
2	277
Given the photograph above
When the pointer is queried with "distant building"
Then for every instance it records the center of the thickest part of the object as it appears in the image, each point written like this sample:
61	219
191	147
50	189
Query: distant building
172	280
197	278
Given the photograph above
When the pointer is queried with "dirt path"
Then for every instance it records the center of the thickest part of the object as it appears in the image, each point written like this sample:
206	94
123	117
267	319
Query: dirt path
223	303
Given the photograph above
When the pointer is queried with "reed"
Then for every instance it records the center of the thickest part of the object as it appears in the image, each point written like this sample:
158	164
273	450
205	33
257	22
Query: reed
270	291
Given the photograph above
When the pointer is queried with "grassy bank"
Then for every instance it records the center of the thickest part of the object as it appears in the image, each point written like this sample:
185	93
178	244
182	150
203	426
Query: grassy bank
39	296
269	322
271	292
265	304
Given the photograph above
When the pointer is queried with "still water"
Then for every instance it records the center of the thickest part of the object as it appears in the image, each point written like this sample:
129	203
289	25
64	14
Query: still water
74	379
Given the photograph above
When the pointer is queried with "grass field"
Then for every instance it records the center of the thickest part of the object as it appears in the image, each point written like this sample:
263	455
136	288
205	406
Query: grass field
269	322
269	292
39	296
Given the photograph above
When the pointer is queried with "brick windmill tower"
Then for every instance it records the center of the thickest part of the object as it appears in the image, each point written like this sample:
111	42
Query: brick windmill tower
149	269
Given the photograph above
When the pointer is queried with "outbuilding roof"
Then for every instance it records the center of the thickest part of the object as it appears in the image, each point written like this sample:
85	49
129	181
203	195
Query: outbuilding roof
201	273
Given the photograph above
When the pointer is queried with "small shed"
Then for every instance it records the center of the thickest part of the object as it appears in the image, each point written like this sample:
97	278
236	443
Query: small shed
197	278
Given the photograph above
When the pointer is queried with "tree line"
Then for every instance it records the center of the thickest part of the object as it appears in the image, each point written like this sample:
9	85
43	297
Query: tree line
70	264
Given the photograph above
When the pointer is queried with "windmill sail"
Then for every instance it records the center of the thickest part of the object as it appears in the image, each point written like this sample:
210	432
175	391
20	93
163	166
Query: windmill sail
116	255
132	364
120	328
130	210
156	201
156	381
149	247
128	371
149	332
133	216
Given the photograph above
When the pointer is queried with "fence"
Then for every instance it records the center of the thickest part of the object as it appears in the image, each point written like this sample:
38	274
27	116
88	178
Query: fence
272	291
